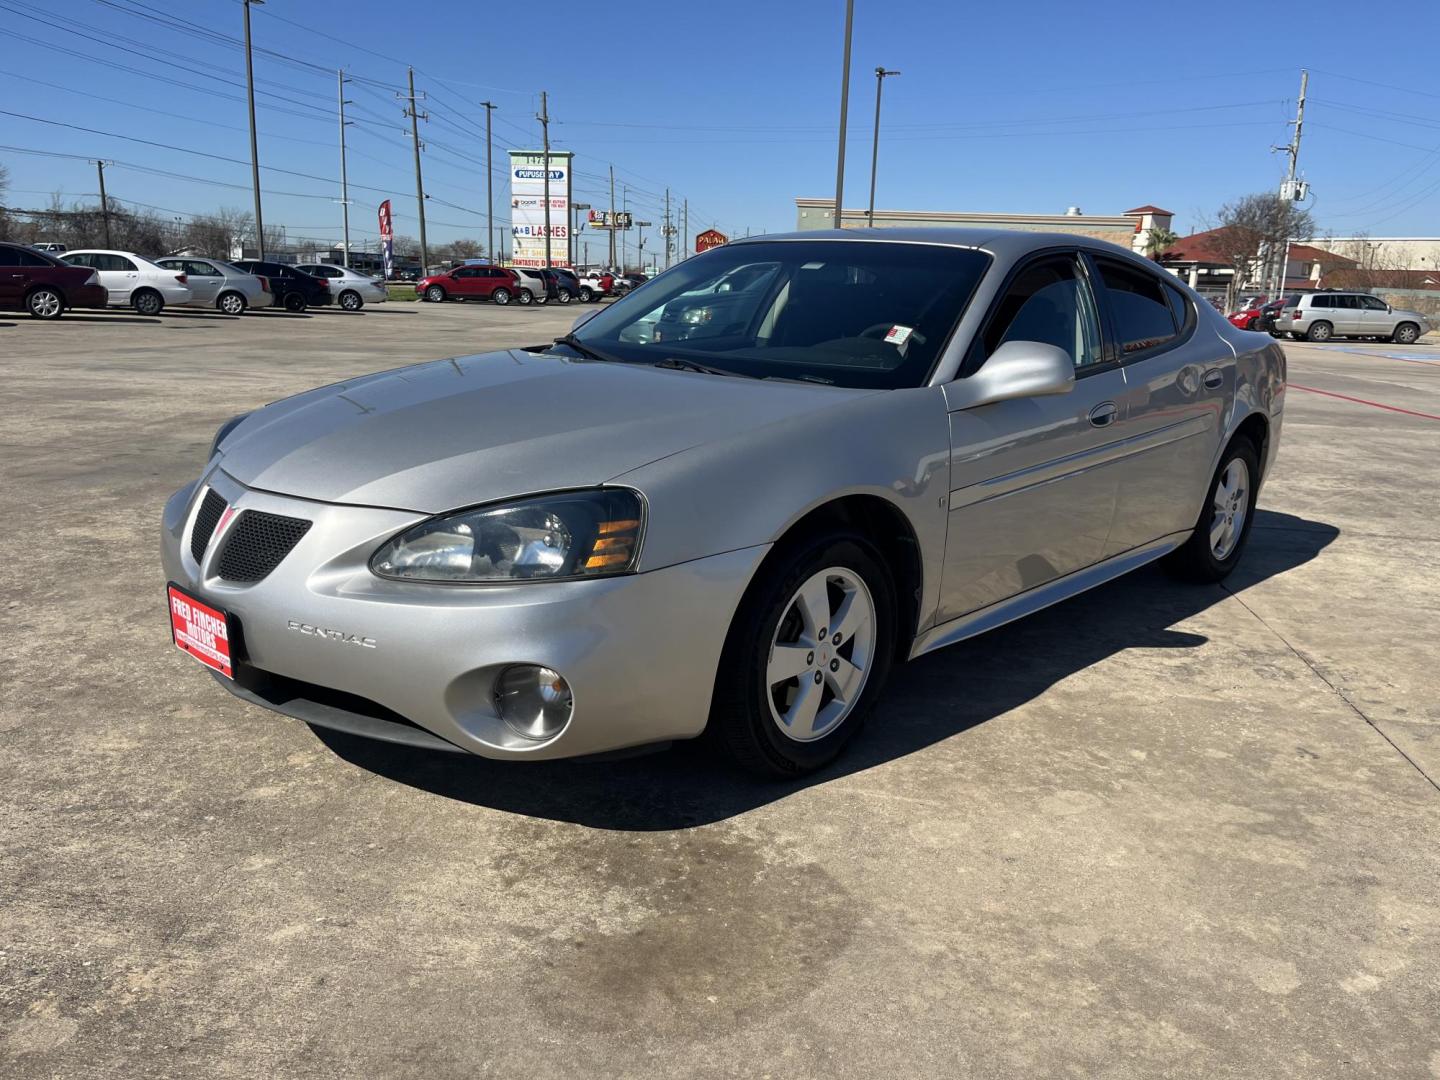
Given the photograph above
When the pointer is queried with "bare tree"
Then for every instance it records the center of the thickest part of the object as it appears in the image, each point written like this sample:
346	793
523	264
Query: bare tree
1254	229
1373	267
5	223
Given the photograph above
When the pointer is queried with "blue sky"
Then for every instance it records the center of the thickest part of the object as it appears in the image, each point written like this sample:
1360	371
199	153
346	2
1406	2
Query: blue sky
1105	105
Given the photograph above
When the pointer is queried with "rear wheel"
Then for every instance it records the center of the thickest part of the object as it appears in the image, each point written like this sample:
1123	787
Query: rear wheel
435	294
295	303
501	296
1320	331
586	295
807	656
350	300
148	302
1215	547
231	303
563	296
1407	333
44	303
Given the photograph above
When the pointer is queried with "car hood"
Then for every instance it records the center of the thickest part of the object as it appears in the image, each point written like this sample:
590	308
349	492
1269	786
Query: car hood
473	429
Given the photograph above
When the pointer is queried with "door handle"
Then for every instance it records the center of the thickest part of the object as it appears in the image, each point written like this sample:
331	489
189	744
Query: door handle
1103	415
1213	378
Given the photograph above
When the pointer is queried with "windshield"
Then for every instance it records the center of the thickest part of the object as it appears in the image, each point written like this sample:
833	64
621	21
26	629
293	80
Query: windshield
862	314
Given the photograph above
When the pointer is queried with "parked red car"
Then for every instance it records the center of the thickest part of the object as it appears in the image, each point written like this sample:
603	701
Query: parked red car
37	282
471	283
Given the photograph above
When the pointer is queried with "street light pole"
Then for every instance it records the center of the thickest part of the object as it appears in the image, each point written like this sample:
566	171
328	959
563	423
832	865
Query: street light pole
104	202
880	74
844	107
254	150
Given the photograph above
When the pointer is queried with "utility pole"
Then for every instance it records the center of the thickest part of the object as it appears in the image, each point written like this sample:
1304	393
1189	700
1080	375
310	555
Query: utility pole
880	75
254	151
685	238
489	186
1287	189
544	118
416	116
844	107
344	179
669	229
612	215
104	203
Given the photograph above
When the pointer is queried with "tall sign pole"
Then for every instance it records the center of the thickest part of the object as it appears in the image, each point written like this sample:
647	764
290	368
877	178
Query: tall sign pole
489	186
254	150
544	119
844	108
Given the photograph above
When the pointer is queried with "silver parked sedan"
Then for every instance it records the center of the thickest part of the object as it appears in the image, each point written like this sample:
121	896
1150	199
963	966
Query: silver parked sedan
216	284
724	511
352	290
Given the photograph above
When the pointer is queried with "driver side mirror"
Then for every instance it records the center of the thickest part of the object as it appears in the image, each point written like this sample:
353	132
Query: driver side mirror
1389	310
1017	369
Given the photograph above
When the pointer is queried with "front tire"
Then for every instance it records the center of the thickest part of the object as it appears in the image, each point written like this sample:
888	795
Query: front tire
1215	547
501	296
788	698
231	303
1320	331
350	300
148	302
563	296
45	303
435	294
1406	334
586	295
523	298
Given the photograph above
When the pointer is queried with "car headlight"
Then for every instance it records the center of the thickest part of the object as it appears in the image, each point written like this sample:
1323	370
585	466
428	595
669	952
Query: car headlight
576	534
225	429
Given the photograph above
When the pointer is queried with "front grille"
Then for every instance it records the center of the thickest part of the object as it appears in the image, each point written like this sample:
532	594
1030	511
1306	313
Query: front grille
257	542
211	507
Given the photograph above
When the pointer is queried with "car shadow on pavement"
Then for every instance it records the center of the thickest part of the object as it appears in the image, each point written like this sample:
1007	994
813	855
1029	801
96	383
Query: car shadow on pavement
933	698
106	319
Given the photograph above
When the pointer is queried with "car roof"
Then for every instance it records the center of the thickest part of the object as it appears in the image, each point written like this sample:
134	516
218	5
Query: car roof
1007	243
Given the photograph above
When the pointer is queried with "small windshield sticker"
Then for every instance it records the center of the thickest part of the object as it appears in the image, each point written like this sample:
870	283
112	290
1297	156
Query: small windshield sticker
812	266
898	335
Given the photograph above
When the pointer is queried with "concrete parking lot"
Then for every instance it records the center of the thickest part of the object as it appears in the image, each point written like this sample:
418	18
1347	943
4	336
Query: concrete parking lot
1159	830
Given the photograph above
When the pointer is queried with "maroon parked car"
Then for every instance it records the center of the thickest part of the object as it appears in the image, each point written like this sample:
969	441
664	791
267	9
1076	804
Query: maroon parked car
41	284
471	283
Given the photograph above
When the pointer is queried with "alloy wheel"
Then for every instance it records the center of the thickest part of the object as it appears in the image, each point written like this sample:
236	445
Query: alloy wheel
44	304
350	301
232	304
821	654
1228	509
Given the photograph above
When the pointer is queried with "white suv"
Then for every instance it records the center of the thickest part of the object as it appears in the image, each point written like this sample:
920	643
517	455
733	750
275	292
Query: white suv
1324	315
133	280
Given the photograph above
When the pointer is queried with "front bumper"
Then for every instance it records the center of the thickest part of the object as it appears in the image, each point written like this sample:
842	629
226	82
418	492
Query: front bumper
640	651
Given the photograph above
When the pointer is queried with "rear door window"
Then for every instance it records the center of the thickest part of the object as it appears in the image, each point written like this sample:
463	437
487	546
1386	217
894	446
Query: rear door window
1139	308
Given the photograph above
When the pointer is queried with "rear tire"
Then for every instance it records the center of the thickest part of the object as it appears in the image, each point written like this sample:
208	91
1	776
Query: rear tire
147	302
1407	333
758	715
586	295
295	303
563	296
350	300
1320	331
231	303
435	294
45	303
1215	547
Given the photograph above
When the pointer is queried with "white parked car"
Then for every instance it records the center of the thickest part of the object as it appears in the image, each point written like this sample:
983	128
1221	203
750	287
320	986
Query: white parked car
133	280
352	289
216	284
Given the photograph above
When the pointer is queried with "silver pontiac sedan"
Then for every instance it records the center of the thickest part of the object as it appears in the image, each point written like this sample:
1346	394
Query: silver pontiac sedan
729	502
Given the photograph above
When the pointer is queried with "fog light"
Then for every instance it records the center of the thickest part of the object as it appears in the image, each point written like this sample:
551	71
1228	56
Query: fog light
533	701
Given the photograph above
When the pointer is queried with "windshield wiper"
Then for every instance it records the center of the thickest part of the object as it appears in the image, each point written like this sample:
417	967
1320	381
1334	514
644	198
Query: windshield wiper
585	350
676	363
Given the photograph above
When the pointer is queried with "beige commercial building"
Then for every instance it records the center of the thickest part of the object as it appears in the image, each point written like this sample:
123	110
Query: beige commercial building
1131	229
